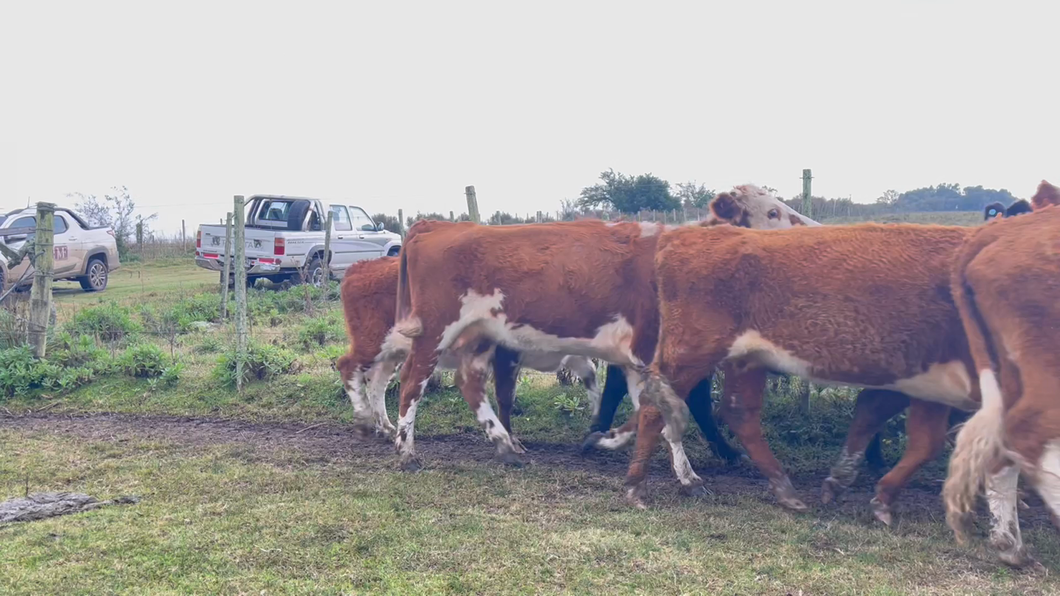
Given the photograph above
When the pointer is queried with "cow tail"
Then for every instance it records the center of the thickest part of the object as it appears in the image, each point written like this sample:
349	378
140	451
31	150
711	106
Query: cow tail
980	443
406	324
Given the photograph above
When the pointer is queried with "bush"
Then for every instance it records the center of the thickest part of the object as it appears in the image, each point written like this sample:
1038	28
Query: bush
211	344
145	361
21	374
318	331
107	321
263	362
78	352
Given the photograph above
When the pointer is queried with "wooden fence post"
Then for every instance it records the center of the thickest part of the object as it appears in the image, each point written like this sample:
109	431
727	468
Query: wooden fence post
326	274
807	210
40	301
401	224
227	269
472	203
240	263
451	217
183	237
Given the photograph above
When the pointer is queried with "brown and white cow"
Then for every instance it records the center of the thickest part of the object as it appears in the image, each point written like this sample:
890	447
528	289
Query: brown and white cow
1007	284
368	291
865	305
581	288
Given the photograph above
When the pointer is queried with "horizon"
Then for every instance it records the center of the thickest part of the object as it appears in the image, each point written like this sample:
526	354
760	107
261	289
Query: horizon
387	107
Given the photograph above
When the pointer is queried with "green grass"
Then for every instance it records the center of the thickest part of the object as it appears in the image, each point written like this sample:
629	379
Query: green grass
233	518
135	282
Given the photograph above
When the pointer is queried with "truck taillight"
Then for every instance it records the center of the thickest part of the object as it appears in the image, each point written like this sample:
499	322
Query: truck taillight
198	239
278	247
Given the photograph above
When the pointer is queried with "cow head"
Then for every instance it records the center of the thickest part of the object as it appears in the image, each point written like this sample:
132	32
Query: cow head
993	210
748	206
1047	195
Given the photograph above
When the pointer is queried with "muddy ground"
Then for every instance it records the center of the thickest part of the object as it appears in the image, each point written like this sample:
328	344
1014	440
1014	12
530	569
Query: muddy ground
337	444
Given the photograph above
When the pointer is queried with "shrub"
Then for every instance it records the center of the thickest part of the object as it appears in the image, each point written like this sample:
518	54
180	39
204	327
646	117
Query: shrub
321	330
79	352
210	344
145	361
108	321
263	362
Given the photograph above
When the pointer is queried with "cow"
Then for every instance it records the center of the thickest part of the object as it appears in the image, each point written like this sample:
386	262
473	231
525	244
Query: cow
368	292
1006	281
866	305
583	288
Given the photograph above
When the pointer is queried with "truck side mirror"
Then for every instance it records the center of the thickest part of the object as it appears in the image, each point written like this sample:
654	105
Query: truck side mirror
379	226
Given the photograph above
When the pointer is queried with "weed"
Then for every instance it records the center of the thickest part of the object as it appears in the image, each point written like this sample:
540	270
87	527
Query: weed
108	321
145	361
263	362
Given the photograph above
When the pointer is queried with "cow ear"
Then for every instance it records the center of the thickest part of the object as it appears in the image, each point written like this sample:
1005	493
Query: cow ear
724	207
1047	195
1020	206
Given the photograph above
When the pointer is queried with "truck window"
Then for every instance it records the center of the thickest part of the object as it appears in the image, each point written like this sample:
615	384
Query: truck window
340	219
60	224
360	218
24	222
274	210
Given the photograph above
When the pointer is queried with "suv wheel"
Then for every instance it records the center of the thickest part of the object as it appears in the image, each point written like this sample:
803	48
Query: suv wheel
95	278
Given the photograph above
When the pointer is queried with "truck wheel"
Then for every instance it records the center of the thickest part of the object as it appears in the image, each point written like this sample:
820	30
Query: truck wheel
95	278
393	252
315	272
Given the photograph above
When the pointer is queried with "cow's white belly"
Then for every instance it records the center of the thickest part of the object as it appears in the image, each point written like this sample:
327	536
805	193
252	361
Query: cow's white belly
944	382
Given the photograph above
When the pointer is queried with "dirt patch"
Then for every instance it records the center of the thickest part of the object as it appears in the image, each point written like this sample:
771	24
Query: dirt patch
328	443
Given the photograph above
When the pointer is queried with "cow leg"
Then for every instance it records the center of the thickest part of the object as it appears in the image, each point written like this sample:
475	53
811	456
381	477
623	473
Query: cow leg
619	437
926	427
873	408
415	372
352	375
1002	498
505	373
584	369
471	379
664	412
614	391
701	406
742	410
378	378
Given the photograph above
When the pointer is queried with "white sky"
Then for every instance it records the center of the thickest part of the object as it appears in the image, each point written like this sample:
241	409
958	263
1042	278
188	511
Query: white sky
402	104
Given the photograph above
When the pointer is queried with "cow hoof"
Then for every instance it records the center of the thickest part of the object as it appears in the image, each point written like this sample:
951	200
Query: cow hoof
411	464
830	490
389	433
786	496
591	441
635	496
518	446
363	431
511	458
1016	557
694	490
882	511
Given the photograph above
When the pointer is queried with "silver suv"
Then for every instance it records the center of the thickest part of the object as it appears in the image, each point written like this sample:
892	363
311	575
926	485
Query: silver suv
82	252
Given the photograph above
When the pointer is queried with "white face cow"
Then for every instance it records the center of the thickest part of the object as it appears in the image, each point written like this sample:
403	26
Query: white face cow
748	206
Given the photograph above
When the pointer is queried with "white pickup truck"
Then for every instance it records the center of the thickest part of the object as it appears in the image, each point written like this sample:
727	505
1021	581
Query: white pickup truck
81	252
283	235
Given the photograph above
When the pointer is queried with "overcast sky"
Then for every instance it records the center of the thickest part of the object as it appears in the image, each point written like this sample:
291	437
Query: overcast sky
402	104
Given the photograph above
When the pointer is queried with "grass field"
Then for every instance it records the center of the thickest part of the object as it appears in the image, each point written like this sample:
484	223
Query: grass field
271	492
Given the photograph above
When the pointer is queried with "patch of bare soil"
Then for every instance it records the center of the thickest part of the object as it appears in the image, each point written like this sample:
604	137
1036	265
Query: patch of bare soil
329	443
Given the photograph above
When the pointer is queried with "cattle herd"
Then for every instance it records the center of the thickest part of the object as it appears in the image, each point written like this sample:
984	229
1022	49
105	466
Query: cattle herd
936	319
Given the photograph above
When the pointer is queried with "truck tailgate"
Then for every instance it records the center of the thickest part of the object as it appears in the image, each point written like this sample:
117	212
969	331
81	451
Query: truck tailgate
257	242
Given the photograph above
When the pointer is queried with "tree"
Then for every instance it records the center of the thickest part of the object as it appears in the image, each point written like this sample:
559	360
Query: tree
692	195
629	194
889	197
115	210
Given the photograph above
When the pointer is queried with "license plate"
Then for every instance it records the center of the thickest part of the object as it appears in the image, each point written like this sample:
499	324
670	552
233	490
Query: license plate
60	253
